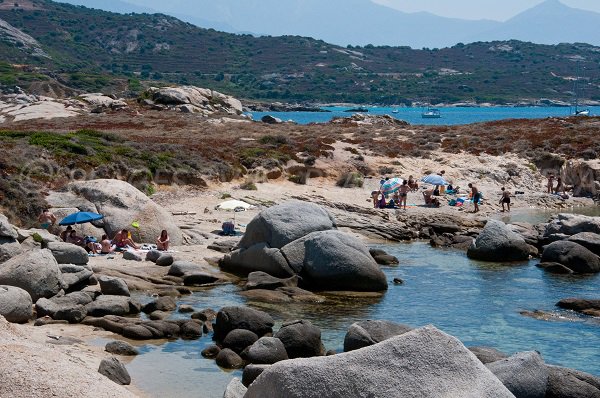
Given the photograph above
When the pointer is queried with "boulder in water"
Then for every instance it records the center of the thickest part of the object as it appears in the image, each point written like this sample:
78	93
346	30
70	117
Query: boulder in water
366	333
498	243
231	318
573	256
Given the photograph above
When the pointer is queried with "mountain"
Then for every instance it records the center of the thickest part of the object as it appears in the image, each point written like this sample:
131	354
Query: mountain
43	43
118	6
550	22
342	22
362	22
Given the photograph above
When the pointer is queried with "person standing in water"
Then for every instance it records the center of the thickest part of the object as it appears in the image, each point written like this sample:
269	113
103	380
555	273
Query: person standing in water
476	196
505	199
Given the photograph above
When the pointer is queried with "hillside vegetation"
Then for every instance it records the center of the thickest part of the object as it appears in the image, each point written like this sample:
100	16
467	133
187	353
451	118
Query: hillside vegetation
88	48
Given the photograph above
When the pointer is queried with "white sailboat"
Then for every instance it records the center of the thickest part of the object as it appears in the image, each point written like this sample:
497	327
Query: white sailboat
578	111
431	113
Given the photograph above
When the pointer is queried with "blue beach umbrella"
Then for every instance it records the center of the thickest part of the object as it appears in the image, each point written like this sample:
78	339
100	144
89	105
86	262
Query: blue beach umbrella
80	217
391	185
434	179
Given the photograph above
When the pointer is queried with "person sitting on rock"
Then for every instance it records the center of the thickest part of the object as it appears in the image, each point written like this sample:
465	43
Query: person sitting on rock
412	183
122	239
106	245
429	199
162	242
74	239
65	234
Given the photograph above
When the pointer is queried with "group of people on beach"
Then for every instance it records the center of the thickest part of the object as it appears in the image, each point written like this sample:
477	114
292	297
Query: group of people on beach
121	241
560	187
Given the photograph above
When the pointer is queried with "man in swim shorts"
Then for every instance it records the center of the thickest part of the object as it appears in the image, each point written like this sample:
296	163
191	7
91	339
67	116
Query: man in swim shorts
46	219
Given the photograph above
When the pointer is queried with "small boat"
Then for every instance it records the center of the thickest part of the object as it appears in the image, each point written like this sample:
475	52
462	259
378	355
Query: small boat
578	111
395	111
431	113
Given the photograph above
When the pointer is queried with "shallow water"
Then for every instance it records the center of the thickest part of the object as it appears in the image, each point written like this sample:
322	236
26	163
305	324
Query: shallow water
450	116
479	303
536	216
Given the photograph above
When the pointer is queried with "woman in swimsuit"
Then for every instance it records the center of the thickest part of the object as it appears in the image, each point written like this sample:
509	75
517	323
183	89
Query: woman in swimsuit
162	242
403	193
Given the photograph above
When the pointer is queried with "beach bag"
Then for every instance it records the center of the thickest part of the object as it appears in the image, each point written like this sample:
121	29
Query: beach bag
436	192
452	202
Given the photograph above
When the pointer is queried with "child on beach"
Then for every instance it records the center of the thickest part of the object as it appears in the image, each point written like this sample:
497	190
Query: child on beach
505	199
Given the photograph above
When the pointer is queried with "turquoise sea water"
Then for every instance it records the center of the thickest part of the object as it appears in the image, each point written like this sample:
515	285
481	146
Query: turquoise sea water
477	302
450	116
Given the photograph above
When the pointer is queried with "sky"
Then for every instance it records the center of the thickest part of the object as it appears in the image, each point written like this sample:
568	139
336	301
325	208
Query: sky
499	10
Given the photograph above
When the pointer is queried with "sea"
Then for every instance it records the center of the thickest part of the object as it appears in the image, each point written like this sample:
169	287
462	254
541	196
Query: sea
449	115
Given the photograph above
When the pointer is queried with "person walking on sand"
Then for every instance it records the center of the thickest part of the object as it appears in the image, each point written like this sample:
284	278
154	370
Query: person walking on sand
403	194
505	199
46	219
476	196
550	182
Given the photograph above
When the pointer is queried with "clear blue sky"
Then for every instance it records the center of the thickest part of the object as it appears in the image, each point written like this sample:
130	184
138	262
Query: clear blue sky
500	10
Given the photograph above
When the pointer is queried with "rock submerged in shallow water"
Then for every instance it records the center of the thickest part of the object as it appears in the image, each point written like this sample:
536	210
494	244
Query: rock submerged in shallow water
239	339
579	304
119	347
366	333
425	363
228	359
231	318
267	351
572	255
498	243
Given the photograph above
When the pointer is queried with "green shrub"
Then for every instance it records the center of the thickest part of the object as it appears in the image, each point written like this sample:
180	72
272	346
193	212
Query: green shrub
225	196
57	143
350	180
249	186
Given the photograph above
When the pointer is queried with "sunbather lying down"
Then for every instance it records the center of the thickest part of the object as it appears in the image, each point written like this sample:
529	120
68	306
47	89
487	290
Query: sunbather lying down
429	199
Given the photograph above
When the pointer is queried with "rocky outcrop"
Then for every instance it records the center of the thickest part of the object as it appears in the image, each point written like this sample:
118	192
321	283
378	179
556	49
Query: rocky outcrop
585	306
267	351
423	363
299	238
524	374
583	176
589	240
366	333
15	304
231	318
499	243
571	383
121	204
68	253
9	245
35	272
75	277
573	256
191	99
113	286
571	224
301	339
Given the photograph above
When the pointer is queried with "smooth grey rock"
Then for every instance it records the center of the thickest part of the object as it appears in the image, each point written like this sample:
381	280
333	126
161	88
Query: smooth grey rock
69	307
366	333
121	204
579	304
9	248
301	339
572	255
258	257
424	363
572	224
165	303
68	253
524	374
571	383
589	240
185	308
165	260
7	230
35	272
158	315
153	255
199	279
262	280
239	339
555	268
181	268
113	286
15	304
497	242
30	244
119	347
75	277
191	330
230	318
251	372
267	350
73	314
487	354
228	359
235	389
109	305
279	225
115	370
333	260
211	351
131	256
39	235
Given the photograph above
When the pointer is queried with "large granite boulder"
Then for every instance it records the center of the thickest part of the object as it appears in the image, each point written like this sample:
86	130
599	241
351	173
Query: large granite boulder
573	256
300	238
35	271
238	339
231	318
571	383
366	333
267	350
334	260
586	306
122	204
68	253
195	99
114	370
425	363
75	277
498	243
571	224
589	240
7	230
525	374
301	339
109	305
279	225
15	304
262	280
71	307
9	248
113	286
